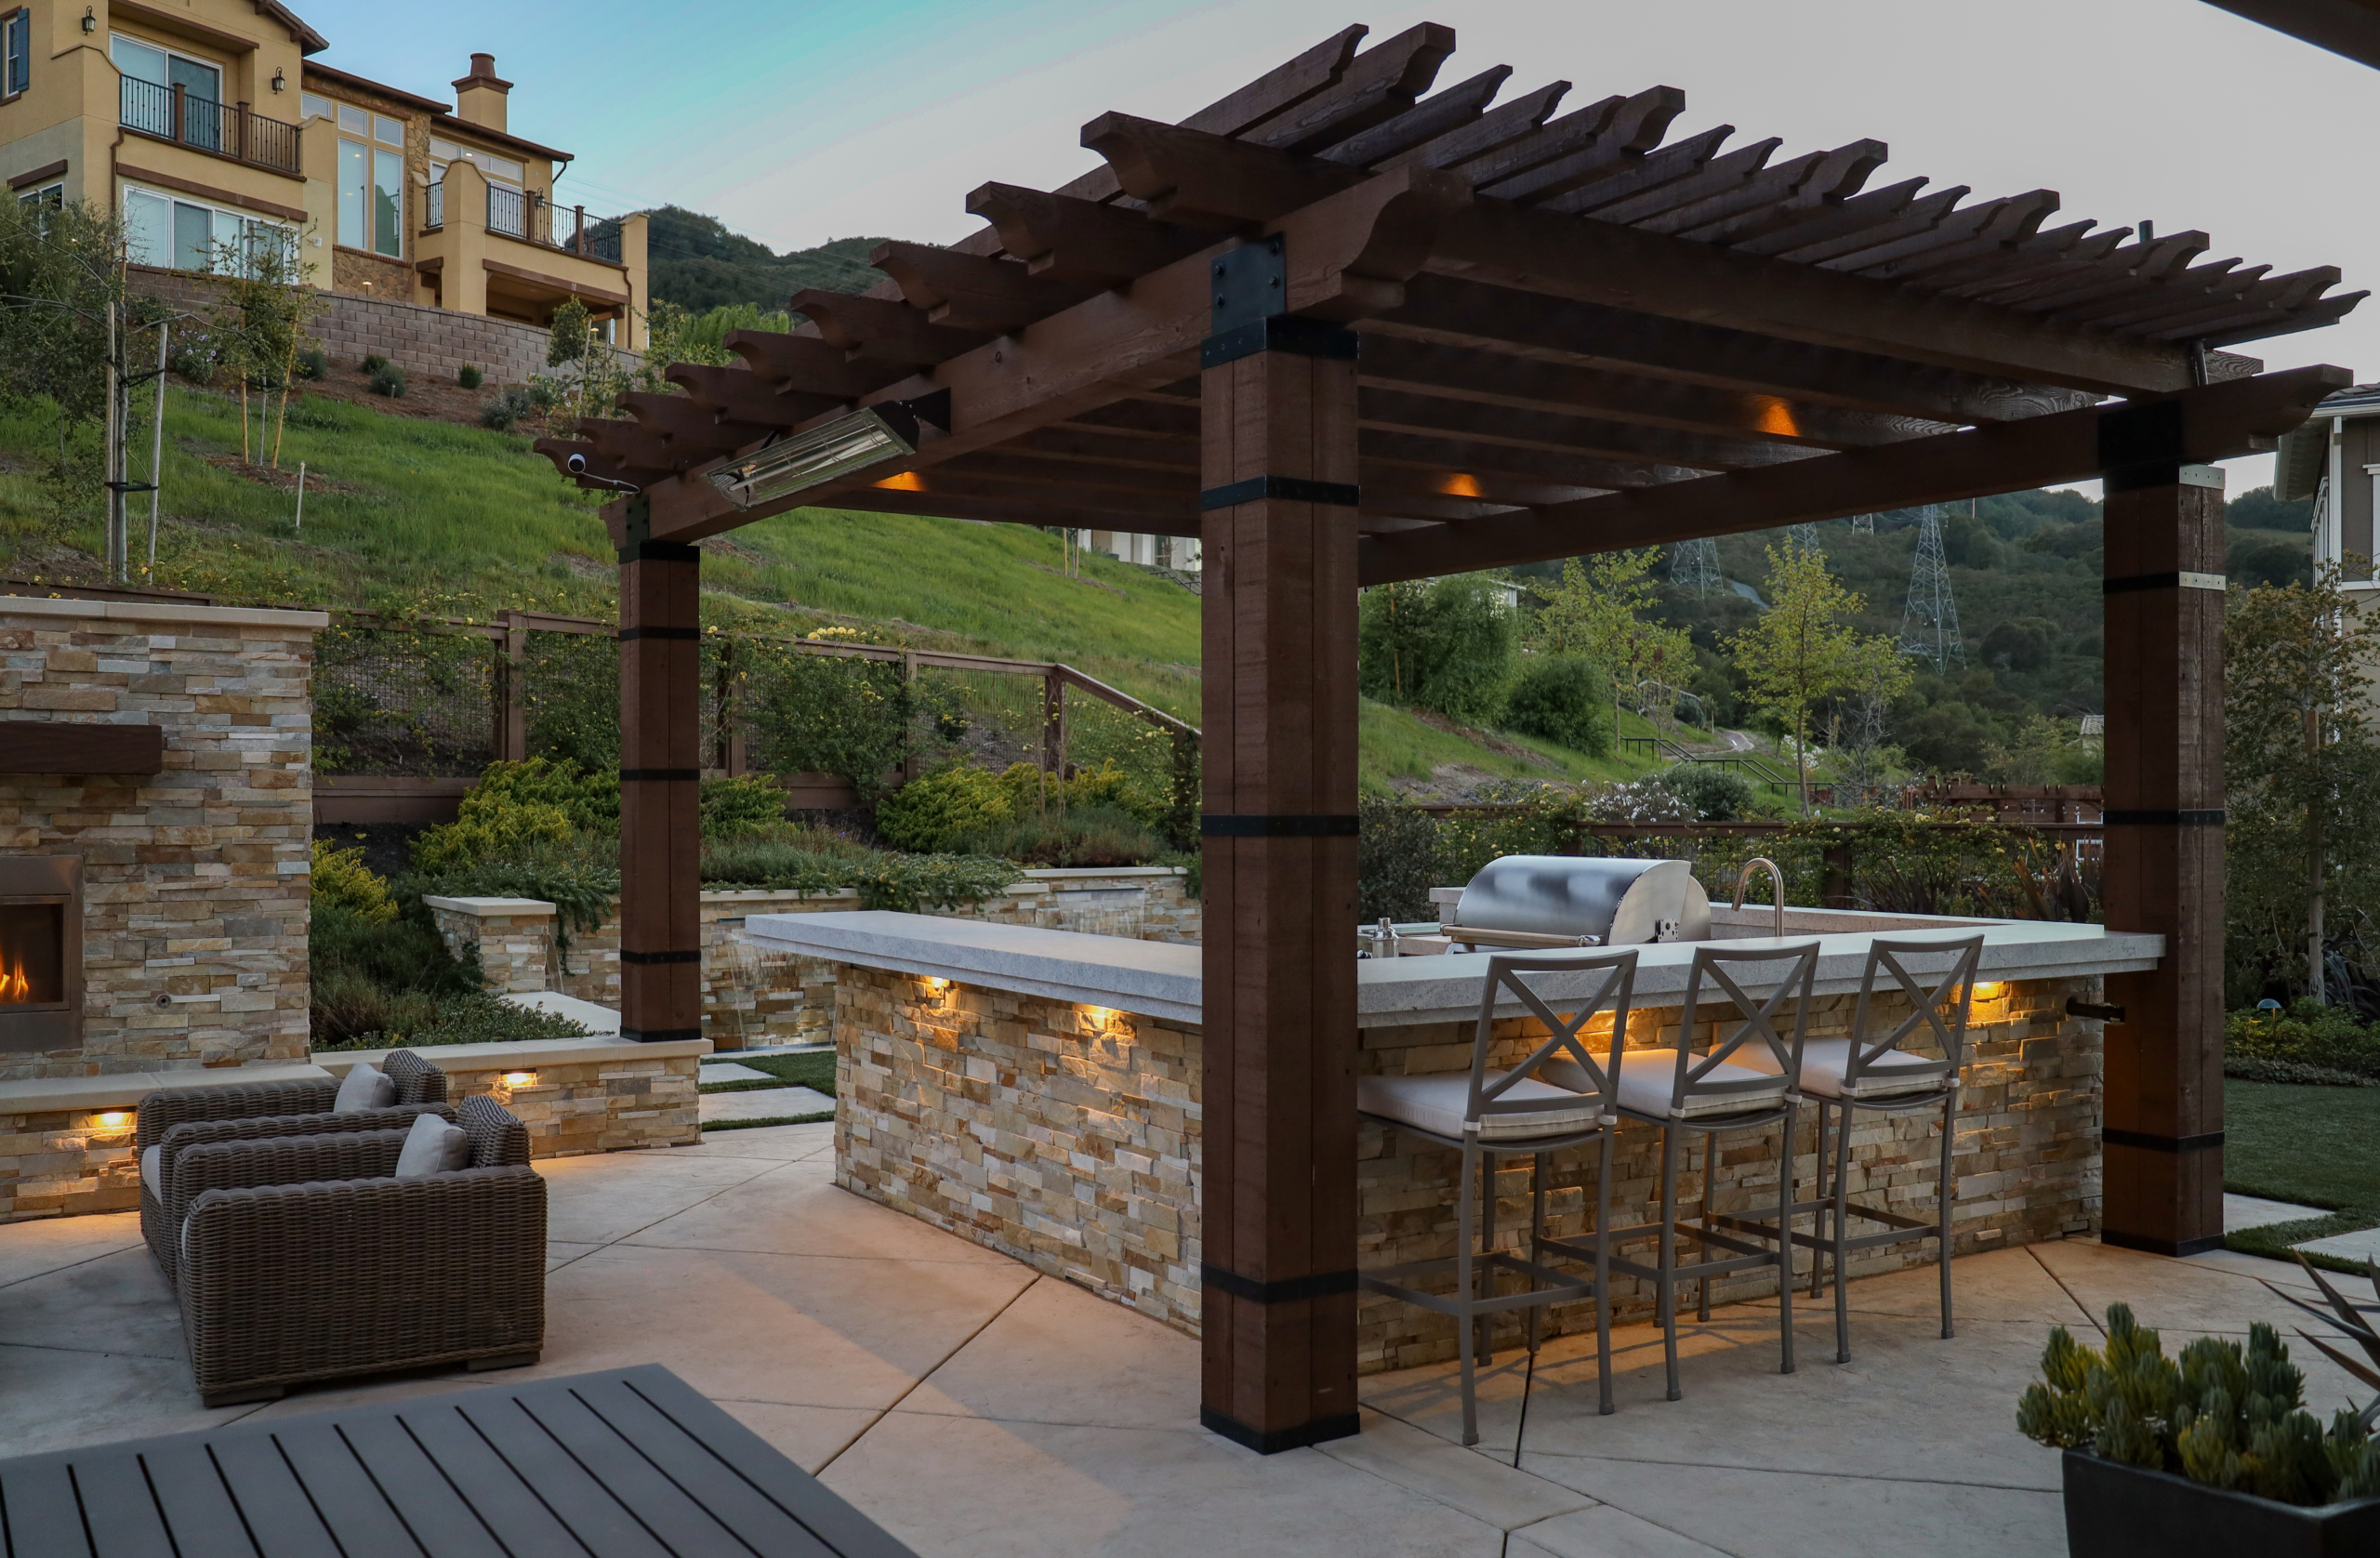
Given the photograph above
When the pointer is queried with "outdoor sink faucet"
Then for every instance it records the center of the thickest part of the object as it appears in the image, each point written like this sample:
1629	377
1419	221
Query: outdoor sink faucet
1754	863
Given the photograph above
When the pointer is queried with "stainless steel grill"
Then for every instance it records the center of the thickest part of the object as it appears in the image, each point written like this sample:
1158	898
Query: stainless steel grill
1545	900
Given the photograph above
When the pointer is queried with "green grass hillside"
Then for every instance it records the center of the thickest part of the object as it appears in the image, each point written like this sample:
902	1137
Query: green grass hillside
410	515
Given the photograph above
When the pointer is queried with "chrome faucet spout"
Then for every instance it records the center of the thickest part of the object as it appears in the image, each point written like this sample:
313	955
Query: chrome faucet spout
1776	876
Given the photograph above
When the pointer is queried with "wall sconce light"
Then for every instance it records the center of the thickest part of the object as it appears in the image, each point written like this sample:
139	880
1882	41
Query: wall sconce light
937	993
520	1078
90	22
115	1120
280	82
1990	990
1105	1021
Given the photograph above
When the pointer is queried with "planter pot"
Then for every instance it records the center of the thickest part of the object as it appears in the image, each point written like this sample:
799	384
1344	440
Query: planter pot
2114	1511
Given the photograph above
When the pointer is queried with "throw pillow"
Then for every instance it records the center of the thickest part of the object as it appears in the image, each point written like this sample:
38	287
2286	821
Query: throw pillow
367	1087
432	1146
153	1163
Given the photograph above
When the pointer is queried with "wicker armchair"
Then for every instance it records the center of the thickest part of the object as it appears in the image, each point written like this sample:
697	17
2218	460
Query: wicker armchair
262	1109
301	1260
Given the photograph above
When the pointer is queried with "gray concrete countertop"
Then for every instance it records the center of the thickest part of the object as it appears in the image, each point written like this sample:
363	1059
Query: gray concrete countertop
1156	979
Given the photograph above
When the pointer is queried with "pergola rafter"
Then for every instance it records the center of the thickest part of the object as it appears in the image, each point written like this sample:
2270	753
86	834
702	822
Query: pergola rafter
1346	329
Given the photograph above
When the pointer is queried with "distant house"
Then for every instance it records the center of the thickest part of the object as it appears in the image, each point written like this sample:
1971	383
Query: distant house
207	126
2335	459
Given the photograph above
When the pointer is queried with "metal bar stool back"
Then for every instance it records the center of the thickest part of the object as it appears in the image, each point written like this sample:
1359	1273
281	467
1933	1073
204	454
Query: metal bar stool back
1744	1080
1862	1071
1492	1111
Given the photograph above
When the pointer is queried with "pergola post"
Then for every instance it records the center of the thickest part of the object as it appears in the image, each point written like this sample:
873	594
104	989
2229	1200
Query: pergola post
2163	1136
660	786
1277	475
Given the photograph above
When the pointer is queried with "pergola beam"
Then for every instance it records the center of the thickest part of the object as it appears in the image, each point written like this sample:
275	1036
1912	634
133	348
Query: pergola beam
2217	422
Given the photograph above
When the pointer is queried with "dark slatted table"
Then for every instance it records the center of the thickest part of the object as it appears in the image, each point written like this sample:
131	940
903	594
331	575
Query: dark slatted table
632	1463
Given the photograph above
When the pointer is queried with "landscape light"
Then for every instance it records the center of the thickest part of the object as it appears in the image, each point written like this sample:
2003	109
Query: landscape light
853	442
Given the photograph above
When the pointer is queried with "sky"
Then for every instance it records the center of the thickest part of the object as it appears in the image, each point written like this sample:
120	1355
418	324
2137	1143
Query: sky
796	123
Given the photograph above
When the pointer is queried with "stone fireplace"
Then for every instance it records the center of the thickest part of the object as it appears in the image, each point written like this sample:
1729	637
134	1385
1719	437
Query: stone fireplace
156	812
41	953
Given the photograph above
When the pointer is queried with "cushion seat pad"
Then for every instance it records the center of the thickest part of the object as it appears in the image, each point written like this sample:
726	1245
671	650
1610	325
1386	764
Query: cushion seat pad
1437	1105
1648	1077
1824	1062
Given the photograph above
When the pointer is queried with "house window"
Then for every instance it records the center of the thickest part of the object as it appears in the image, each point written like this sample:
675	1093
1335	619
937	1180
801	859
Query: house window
151	110
313	107
19	31
353	120
51	195
371	199
182	234
387	131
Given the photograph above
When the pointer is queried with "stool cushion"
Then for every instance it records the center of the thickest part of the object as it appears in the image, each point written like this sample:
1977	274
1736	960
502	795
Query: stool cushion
1824	1061
1437	1103
1648	1077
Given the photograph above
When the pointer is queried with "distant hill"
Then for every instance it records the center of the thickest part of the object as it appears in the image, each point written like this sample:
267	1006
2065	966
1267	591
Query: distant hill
699	265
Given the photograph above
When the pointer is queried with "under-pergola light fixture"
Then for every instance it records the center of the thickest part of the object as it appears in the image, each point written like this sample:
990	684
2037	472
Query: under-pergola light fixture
864	437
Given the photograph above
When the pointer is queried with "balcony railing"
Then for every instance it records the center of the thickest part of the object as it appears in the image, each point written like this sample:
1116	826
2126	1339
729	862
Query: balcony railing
231	130
534	220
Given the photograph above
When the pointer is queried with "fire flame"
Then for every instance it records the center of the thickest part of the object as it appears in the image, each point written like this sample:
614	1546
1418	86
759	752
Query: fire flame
14	985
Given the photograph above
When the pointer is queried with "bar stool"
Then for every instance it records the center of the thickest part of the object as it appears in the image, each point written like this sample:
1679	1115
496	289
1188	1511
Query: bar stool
1684	1090
1490	1112
1877	1074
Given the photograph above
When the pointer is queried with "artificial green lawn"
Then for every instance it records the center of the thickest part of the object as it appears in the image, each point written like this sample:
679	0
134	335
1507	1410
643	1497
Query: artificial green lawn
816	1071
2313	1146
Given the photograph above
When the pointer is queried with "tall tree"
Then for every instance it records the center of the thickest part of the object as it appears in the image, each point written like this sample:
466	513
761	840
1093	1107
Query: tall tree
2302	770
1603	609
1804	650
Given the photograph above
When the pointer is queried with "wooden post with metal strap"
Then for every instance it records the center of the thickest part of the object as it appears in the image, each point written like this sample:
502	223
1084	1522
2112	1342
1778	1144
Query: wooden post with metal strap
660	784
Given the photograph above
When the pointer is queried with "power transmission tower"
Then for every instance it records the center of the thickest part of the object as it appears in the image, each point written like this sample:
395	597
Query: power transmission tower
1695	566
1930	623
1864	524
1804	537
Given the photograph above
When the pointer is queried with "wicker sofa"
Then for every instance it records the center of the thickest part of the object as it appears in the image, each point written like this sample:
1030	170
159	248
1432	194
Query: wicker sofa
173	1118
299	1258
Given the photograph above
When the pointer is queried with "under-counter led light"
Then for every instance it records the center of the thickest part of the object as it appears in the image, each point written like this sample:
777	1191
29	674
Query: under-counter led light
115	1120
1990	990
520	1078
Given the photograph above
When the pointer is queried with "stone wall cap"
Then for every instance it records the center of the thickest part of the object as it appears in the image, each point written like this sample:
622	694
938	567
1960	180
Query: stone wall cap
524	1056
490	907
1154	979
1076	873
158	610
36	1095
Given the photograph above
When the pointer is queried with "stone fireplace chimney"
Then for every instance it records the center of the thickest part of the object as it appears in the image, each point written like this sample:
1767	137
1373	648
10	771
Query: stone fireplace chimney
480	97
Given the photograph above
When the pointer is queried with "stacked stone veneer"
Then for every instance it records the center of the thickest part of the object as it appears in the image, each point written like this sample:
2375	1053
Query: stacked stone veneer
593	1095
1021	1123
753	996
194	879
1013	1121
62	1162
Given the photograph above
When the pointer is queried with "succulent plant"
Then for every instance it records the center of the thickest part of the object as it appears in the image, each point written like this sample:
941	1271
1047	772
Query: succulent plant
2222	1415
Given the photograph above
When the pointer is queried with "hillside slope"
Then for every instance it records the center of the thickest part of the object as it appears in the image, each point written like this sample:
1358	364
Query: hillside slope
699	265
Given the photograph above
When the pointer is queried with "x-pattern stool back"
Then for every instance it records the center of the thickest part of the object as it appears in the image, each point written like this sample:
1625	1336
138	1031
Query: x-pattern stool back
1955	988
1759	1019
1565	1037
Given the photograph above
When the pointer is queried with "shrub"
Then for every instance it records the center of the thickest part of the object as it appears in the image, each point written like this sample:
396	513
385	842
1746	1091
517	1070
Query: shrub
1080	836
389	380
469	377
1713	793
2304	1043
508	408
733	807
1564	699
1106	785
518	809
931	814
489	833
373	362
369	976
911	884
591	797
313	363
338	876
1446	647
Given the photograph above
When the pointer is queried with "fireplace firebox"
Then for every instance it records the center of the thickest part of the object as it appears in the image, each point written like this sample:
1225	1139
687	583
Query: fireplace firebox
41	953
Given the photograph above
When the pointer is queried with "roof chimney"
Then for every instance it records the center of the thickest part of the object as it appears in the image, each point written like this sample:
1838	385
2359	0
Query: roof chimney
480	97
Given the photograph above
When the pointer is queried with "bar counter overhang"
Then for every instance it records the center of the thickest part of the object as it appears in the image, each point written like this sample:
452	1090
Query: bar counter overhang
1040	1093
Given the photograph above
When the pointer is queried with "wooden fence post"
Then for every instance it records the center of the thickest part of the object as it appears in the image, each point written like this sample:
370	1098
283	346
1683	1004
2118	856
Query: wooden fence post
910	762
1053	726
2162	1135
1277	480
512	739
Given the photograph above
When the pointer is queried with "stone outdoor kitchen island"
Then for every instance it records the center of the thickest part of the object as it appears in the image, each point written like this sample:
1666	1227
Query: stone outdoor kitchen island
1039	1091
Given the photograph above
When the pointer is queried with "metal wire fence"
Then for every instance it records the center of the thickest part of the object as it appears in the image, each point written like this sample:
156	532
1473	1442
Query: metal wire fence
415	699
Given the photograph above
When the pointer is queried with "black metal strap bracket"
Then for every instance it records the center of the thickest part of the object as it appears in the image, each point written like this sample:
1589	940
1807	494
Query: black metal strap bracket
1223	824
2126	584
681	634
2150	1142
1252	310
659	1036
637	544
1289	1290
2204	816
1292	489
660	775
650	957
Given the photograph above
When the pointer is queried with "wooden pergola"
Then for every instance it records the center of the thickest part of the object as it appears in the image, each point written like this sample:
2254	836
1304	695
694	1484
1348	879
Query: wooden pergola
1346	329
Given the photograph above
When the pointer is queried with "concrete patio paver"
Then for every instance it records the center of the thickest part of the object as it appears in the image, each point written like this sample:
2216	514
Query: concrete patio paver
765	1103
2363	1244
2255	1211
978	1408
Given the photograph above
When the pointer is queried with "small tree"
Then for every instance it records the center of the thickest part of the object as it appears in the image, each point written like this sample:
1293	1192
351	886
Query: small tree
1446	646
2302	770
1804	650
64	320
257	325
1600	610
